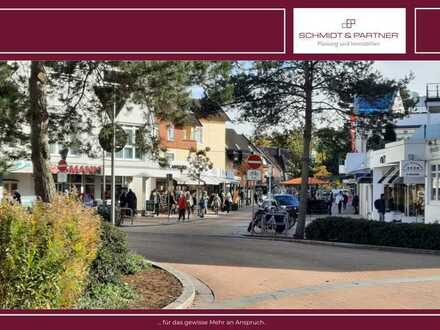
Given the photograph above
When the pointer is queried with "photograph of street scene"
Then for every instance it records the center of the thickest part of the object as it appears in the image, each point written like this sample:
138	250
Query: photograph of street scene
219	185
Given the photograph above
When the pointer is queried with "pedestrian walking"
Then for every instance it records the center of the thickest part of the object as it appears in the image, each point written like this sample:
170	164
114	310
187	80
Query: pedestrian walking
228	202
181	204
216	203
205	198
189	203
123	198
132	202
379	204
241	200
330	203
355	204
339	200
201	208
345	201
156	202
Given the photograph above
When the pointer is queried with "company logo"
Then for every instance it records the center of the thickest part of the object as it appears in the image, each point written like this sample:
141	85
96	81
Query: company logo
349	30
348	23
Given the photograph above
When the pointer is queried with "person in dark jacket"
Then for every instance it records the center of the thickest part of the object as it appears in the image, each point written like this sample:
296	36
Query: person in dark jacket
355	204
330	201
123	198
132	201
17	197
379	204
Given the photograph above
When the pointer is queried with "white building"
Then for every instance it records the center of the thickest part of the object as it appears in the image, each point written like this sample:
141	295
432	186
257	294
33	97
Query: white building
407	171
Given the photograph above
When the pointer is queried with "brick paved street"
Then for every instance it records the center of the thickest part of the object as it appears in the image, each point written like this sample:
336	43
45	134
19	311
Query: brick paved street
252	273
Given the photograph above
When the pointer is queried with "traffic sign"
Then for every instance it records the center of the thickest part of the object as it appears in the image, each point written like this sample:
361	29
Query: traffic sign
254	175
254	162
62	166
61	177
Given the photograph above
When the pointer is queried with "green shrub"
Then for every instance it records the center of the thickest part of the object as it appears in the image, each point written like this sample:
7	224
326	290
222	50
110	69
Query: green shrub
111	257
108	296
134	264
45	255
349	230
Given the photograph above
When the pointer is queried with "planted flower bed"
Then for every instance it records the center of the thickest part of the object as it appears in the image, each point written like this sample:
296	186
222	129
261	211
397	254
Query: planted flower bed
62	255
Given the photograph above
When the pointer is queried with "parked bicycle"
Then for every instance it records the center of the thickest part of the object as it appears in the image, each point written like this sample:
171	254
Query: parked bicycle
271	218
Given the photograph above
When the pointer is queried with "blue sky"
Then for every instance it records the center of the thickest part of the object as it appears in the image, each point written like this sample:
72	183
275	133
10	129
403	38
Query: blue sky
424	71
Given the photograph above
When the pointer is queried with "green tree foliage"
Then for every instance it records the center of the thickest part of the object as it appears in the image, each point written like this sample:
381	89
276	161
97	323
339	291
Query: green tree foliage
57	100
332	144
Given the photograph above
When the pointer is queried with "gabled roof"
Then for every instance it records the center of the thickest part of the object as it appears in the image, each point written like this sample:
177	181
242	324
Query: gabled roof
207	109
279	156
238	142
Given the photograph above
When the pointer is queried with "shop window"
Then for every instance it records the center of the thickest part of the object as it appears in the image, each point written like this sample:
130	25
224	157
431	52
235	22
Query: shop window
435	172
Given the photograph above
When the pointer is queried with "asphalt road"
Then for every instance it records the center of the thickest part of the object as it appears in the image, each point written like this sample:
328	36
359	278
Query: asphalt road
253	273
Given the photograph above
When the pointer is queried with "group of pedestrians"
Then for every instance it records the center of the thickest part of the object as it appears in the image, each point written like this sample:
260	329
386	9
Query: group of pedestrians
187	203
341	200
128	199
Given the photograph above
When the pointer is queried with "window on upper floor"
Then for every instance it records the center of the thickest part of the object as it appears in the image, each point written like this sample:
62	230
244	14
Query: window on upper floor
171	132
197	134
55	148
130	151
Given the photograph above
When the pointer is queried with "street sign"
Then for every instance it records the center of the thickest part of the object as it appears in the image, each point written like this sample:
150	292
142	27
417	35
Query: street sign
254	162
254	175
62	166
61	177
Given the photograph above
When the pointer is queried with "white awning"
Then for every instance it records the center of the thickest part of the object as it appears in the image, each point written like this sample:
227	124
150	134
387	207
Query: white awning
156	173
211	180
235	180
183	179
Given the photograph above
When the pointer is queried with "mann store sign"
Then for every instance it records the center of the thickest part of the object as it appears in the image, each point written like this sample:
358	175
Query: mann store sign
412	168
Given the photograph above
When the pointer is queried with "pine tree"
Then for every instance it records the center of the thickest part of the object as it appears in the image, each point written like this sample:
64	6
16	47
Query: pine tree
288	94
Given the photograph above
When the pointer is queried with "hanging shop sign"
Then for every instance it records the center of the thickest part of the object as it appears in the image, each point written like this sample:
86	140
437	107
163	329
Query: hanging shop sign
412	168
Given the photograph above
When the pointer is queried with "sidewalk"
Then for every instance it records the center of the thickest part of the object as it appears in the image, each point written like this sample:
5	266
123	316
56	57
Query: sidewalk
164	219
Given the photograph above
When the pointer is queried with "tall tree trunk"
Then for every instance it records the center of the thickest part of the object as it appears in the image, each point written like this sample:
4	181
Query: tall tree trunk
39	120
307	137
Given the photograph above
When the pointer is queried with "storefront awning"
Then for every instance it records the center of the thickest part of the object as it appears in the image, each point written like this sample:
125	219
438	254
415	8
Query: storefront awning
389	174
211	180
155	173
186	180
232	181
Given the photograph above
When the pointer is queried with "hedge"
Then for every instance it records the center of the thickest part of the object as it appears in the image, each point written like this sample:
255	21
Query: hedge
360	231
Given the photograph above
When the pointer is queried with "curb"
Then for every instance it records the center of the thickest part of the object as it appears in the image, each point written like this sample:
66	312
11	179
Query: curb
347	245
186	298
